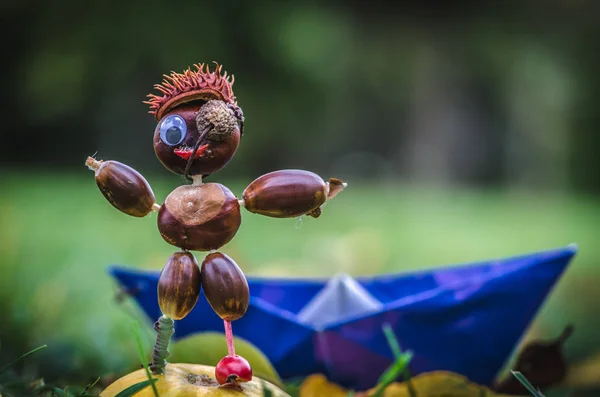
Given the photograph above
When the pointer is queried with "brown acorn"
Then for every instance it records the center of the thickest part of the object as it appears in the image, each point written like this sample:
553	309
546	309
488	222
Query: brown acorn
286	194
199	217
179	285
125	188
225	286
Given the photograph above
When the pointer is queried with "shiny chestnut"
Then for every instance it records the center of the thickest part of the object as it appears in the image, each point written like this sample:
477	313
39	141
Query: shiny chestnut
199	217
125	188
225	286
178	132
179	285
286	194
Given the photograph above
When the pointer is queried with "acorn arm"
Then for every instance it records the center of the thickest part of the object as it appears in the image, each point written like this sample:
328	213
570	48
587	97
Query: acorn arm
125	188
289	194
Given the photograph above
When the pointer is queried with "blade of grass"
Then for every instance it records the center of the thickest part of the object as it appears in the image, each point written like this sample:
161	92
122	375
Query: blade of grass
395	370
395	347
56	392
398	367
29	353
525	382
140	346
131	390
392	341
89	387
266	391
292	387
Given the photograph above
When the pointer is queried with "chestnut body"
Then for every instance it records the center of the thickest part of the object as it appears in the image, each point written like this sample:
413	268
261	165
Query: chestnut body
215	151
179	285
285	194
125	188
225	286
199	217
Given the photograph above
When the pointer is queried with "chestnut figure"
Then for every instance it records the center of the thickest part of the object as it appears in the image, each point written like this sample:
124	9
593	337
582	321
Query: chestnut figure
124	188
225	286
199	217
286	194
198	131
179	285
199	122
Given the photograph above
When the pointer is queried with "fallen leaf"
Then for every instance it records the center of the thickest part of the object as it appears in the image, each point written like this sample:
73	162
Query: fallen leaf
430	384
318	386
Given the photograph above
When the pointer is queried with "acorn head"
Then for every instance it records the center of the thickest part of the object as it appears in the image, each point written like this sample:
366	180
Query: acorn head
199	121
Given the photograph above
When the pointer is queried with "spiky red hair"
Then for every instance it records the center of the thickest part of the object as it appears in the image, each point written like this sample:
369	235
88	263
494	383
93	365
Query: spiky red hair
178	88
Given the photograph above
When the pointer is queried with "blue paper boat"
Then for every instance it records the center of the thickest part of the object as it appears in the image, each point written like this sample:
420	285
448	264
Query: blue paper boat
467	319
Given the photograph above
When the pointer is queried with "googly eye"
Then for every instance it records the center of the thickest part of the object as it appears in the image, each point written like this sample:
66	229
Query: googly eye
173	130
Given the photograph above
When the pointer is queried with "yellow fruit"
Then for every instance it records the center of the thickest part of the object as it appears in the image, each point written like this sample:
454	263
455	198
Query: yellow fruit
190	380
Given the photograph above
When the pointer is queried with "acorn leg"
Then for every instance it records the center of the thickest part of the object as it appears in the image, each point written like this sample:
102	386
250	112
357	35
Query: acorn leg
226	289
178	292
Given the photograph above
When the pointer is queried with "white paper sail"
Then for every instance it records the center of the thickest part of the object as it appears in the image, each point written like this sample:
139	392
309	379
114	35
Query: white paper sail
342	297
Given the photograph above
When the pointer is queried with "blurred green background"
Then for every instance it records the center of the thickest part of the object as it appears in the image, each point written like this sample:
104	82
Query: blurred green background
465	130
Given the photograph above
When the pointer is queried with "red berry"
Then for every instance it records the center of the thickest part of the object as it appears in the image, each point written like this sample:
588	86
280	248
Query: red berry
233	369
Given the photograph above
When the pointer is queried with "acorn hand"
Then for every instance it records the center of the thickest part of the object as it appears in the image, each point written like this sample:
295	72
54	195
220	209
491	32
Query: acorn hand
125	188
289	194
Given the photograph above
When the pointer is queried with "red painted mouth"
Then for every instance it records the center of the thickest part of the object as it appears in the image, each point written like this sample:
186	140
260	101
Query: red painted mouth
186	153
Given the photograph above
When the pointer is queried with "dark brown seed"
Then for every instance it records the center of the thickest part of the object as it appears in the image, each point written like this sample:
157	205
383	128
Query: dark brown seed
212	155
199	217
285	194
179	285
125	188
225	286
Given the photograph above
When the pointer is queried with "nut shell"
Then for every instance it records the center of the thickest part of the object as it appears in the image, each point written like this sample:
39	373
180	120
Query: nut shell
285	194
179	285
225	286
199	217
219	117
125	188
214	158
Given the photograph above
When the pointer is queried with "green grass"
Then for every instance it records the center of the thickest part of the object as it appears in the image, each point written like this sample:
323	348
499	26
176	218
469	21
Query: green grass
58	234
